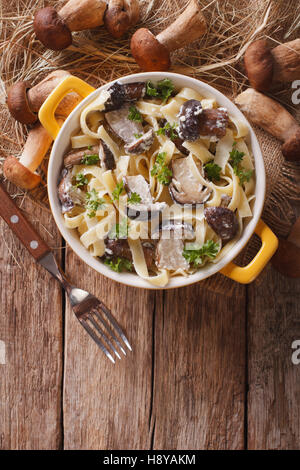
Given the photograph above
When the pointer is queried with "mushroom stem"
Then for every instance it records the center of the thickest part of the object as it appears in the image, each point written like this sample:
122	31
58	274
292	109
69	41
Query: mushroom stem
24	102
21	171
188	27
265	66
273	118
153	53
79	15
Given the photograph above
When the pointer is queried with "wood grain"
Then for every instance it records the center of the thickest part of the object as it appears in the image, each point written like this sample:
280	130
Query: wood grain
199	379
107	406
273	399
30	328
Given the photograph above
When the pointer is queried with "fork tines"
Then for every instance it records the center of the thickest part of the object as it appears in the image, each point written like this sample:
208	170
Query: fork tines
104	331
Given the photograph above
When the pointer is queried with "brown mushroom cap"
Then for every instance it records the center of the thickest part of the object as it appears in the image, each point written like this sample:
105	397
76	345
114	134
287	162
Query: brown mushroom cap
148	52
18	174
291	148
18	105
51	30
120	15
258	62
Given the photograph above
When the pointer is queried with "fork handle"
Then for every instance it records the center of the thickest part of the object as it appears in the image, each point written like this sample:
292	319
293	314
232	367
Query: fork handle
21	227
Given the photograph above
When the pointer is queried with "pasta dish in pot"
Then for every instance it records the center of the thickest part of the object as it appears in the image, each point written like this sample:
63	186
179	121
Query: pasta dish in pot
158	181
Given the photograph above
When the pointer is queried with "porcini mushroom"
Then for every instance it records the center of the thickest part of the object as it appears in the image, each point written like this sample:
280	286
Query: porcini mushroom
24	101
119	248
121	93
76	156
120	16
273	118
265	66
22	172
169	249
223	221
54	29
153	53
185	188
194	121
69	195
287	257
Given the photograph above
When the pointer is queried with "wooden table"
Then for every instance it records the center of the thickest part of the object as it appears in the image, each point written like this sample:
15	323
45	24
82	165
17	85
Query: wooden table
207	371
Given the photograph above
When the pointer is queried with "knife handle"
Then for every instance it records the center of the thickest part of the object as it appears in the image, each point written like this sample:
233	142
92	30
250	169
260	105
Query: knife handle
21	227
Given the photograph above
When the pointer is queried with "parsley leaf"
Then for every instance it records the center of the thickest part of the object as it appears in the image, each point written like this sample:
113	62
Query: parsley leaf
195	256
90	159
151	89
135	198
212	171
118	191
162	90
161	170
93	202
80	180
119	230
236	158
165	88
168	130
119	264
134	114
137	136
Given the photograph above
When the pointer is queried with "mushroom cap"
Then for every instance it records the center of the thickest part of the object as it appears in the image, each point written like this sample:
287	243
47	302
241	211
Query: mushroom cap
148	52
18	174
120	15
51	30
18	105
259	65
291	148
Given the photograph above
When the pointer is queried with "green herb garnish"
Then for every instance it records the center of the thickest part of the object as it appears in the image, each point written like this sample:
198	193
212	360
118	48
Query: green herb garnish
161	170
235	160
93	202
90	159
118	191
195	256
137	136
119	264
168	130
135	198
119	230
162	90
134	114
80	180
212	171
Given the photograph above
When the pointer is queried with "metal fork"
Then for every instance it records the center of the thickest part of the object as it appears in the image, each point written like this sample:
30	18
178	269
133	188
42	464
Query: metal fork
92	314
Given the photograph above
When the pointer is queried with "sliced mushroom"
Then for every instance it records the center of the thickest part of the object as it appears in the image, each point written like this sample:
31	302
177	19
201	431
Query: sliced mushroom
185	188
223	221
120	248
122	126
121	93
194	121
106	156
213	122
170	247
74	157
68	195
146	209
141	144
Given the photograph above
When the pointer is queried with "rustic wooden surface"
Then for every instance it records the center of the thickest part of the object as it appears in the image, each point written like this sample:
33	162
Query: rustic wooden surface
206	372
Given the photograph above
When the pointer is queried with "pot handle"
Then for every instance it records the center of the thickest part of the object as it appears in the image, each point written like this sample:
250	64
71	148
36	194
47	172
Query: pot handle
248	273
47	110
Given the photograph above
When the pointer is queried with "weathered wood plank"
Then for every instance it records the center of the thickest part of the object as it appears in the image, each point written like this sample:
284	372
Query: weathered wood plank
107	406
274	400
31	334
199	370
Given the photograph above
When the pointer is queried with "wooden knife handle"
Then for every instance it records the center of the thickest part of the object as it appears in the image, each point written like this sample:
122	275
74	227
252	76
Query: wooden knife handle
21	227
